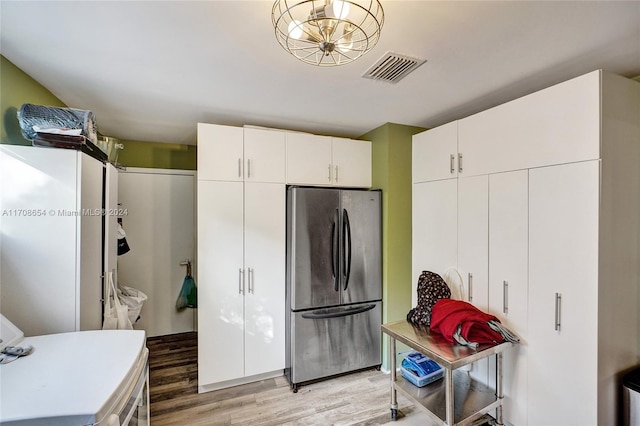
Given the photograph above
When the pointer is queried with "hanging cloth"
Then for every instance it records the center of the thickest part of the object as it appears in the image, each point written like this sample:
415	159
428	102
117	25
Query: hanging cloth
123	246
188	297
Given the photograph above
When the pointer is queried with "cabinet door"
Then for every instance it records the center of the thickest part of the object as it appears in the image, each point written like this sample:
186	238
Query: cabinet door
473	250
563	241
220	282
264	155
308	159
435	228
220	152
473	239
351	162
556	125
434	153
265	271
90	244
111	219
508	259
38	264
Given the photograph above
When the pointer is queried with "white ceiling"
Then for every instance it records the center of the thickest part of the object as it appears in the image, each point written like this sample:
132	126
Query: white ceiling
150	70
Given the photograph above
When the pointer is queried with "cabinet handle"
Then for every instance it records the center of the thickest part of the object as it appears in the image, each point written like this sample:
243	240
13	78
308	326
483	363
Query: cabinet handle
459	163
452	159
558	310
329	172
239	167
470	287
240	281
249	168
505	297
250	274
336	174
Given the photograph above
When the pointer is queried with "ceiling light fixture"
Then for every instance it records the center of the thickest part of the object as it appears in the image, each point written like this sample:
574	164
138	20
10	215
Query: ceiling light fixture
327	32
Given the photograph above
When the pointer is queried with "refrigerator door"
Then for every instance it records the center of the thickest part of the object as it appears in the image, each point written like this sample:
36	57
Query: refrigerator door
361	261
331	341
313	246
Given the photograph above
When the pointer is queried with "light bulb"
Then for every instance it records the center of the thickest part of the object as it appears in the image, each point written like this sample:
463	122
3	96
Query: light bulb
340	9
295	29
345	46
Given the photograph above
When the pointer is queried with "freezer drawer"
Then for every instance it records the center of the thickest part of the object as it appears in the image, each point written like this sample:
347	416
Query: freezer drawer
326	342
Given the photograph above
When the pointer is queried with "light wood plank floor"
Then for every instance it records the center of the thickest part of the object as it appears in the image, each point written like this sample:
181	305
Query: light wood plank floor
357	399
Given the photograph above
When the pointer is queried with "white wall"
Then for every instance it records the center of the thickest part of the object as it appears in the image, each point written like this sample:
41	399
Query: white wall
160	228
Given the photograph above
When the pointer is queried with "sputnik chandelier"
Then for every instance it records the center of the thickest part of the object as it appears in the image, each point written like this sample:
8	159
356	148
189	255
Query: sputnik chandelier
327	32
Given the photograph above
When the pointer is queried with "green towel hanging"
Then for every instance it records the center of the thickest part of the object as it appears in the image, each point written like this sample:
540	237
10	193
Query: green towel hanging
188	297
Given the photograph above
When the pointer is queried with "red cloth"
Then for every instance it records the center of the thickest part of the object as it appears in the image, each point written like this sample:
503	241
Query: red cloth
447	314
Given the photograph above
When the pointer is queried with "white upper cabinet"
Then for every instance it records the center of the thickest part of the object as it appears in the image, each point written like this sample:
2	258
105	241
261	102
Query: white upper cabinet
557	125
351	162
308	159
436	151
236	154
220	152
328	161
264	155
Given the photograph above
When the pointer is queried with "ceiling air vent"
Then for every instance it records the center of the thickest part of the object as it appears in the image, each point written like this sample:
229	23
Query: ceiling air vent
393	67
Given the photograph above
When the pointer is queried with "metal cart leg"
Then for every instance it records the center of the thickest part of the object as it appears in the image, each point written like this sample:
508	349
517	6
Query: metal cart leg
392	367
449	399
499	394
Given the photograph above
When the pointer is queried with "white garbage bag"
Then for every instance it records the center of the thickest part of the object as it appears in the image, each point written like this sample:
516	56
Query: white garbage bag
134	299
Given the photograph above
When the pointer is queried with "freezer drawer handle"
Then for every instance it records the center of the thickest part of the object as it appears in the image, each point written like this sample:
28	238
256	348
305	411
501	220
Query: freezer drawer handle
345	313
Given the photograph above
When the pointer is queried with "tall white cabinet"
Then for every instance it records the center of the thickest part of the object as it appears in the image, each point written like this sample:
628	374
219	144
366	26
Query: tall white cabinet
241	255
544	231
51	239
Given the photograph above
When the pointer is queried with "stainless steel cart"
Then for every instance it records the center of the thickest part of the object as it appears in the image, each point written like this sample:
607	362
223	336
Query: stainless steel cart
458	399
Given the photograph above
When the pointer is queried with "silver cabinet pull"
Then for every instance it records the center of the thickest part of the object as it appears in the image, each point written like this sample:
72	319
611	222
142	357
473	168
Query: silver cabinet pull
459	163
558	311
239	167
240	281
250	275
505	297
452	159
336	176
470	287
329	172
249	168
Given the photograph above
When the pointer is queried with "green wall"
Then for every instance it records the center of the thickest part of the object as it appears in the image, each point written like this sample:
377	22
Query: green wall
158	155
391	158
17	88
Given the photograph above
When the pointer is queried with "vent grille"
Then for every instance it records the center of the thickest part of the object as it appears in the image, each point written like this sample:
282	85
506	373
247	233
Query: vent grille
393	67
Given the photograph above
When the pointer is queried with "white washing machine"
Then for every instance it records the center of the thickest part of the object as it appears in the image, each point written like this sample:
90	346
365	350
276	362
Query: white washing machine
79	378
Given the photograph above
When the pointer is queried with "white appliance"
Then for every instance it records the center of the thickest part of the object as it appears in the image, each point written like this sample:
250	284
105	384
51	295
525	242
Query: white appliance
77	378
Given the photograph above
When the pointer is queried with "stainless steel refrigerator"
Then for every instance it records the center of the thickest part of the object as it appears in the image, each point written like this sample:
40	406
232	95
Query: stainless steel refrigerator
334	282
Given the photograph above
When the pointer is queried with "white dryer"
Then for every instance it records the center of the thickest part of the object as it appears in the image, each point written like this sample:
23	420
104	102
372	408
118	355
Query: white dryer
79	378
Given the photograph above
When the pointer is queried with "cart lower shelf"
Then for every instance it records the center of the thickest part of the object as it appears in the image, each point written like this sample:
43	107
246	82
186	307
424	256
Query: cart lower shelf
472	398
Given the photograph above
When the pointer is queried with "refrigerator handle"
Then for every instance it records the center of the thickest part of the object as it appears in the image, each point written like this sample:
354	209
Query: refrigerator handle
334	252
347	250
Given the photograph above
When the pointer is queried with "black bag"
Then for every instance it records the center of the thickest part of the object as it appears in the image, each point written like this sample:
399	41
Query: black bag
431	288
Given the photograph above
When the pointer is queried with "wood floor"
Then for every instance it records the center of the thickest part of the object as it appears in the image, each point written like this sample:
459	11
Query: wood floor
356	399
